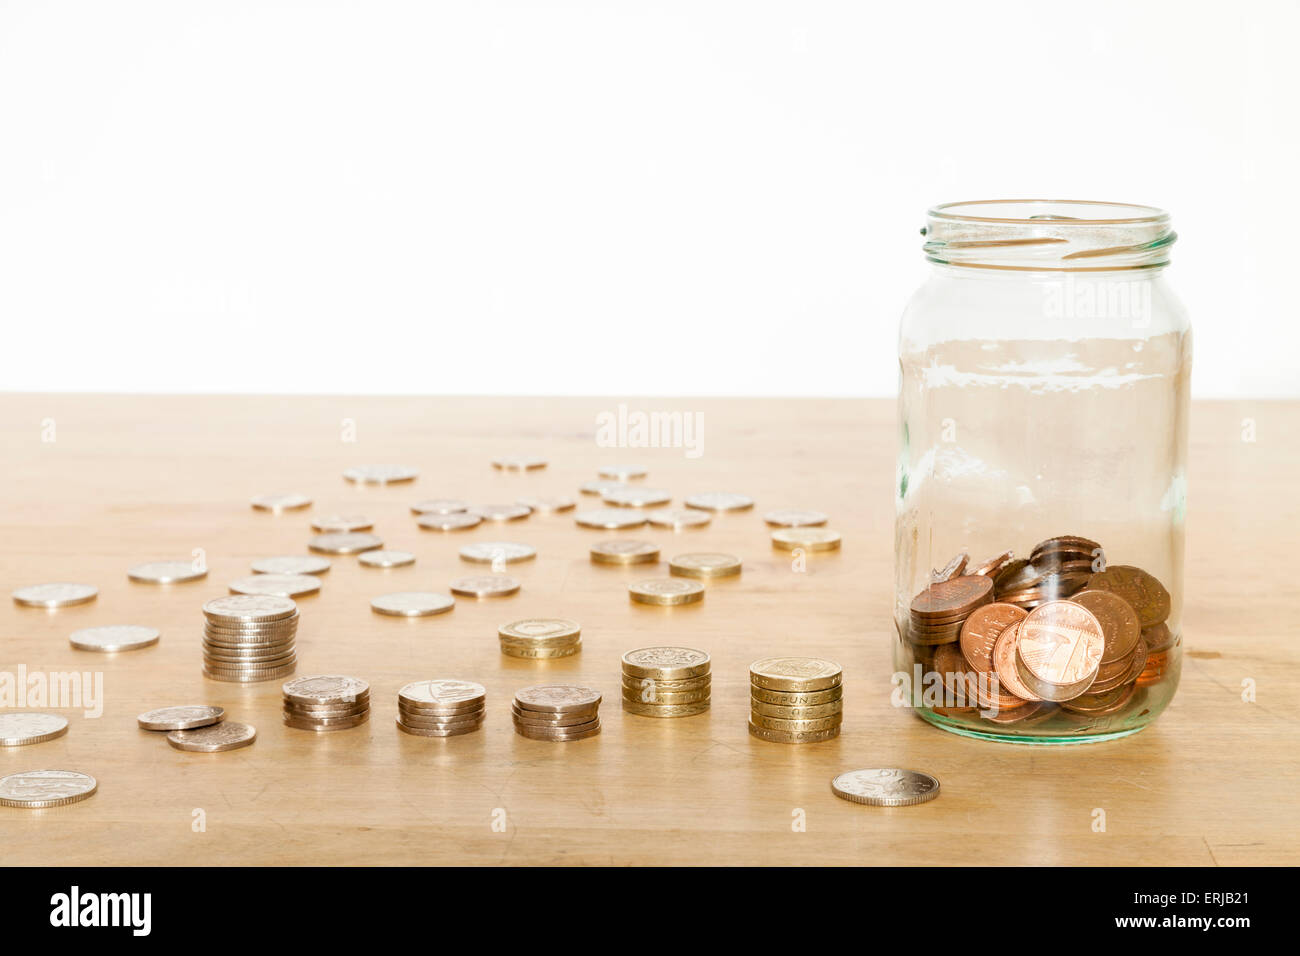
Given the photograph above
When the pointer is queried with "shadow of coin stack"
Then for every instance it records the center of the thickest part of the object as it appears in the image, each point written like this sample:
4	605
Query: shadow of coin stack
441	708
556	712
249	638
326	702
795	700
666	682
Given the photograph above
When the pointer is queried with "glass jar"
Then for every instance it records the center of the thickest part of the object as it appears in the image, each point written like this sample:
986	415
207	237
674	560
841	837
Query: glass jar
1043	403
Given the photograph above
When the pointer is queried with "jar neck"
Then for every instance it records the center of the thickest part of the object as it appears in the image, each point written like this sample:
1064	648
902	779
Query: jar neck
1039	235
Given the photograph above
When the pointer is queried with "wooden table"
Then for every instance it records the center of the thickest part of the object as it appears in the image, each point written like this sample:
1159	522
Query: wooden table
94	484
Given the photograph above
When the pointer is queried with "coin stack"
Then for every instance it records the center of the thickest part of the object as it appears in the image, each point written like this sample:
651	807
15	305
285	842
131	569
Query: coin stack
666	682
326	702
540	638
556	712
441	708
795	700
937	613
249	637
1056	569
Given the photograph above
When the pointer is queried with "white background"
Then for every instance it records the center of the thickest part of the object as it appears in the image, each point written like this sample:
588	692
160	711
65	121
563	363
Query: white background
606	197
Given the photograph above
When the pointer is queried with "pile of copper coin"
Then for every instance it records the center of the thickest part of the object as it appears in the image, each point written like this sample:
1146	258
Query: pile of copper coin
1021	640
326	702
556	712
441	708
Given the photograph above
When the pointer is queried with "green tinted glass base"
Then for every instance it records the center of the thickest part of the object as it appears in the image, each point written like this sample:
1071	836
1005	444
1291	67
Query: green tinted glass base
953	727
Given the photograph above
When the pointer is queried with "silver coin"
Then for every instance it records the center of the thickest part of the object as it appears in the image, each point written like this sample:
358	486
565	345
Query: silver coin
602	487
412	603
485	585
385	559
326	689
611	518
794	518
719	501
622	472
214	738
548	505
280	585
60	594
251	609
341	523
459	521
442	693
624	551
885	787
282	501
167	572
518	463
114	637
27	727
344	542
503	512
678	518
292	564
440	506
381	474
636	497
36	789
183	717
490	552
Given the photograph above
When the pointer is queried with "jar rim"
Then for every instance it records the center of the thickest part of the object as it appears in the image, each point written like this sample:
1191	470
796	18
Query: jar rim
1136	212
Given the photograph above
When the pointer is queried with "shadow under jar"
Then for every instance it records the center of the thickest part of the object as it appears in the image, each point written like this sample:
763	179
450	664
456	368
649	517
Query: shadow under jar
1040	497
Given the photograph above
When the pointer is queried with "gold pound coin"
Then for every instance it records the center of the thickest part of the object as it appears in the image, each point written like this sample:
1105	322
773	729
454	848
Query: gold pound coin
624	551
705	564
666	591
806	539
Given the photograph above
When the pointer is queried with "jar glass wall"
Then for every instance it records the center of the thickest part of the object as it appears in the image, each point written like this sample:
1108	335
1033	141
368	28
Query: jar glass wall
1041	487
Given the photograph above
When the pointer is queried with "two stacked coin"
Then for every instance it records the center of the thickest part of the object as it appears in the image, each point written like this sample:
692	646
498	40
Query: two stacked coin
795	700
249	637
556	712
1056	569
441	708
326	702
666	682
540	638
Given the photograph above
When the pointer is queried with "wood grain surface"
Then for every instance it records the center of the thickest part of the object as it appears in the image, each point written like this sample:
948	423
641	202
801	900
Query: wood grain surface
128	479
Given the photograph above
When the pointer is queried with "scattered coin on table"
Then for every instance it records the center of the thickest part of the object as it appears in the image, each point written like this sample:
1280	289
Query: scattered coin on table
284	585
114	637
548	505
181	717
503	512
624	551
39	789
622	472
885	787
634	496
342	523
490	552
458	521
719	501
806	539
59	594
292	564
385	559
793	518
412	603
704	564
21	728
167	572
381	474
677	519
601	487
611	519
518	463
279	502
485	585
214	738
345	542
666	591
440	506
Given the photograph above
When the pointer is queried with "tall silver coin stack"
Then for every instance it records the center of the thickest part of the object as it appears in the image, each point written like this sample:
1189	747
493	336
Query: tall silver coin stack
249	638
326	702
441	708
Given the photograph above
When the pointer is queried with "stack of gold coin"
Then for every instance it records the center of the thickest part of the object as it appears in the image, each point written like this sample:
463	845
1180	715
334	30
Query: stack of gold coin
249	637
795	700
326	702
666	682
557	712
538	638
938	613
441	708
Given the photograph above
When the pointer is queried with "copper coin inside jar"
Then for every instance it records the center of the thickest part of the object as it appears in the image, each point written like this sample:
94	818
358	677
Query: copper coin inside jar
1059	650
952	569
1004	663
1119	622
994	565
953	598
980	633
1144	593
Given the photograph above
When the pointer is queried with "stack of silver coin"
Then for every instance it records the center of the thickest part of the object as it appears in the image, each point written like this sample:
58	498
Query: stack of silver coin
557	712
441	708
326	702
249	638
